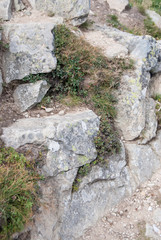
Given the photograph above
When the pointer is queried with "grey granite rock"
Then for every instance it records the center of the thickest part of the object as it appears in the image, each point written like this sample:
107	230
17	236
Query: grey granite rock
74	11
28	95
30	50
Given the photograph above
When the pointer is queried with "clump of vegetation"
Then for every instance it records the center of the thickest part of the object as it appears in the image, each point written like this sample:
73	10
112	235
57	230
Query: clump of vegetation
78	61
86	25
32	78
151	28
17	191
114	22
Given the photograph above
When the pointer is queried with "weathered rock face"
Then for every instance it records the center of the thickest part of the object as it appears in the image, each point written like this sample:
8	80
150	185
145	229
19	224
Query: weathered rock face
65	214
102	189
76	11
133	98
118	5
156	18
18	5
143	161
30	51
5	6
28	95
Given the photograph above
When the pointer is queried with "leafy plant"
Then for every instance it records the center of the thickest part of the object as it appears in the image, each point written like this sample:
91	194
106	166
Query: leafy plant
17	191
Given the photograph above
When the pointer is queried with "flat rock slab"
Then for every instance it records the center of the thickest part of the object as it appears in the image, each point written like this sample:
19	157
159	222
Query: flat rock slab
28	95
69	139
118	5
109	46
31	47
5	9
76	11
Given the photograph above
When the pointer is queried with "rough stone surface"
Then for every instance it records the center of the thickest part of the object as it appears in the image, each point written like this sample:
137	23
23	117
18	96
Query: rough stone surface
18	5
133	96
28	95
155	85
100	190
66	138
110	47
5	7
118	5
75	11
155	17
149	132
143	161
30	49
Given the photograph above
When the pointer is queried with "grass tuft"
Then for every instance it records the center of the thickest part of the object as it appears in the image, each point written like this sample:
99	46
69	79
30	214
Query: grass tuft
17	192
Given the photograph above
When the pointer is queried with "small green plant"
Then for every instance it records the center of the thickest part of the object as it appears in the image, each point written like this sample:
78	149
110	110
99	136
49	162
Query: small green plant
151	28
46	101
17	191
86	25
156	6
32	78
114	22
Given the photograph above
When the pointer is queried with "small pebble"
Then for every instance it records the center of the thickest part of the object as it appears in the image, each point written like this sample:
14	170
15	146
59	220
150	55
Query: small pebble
61	113
48	110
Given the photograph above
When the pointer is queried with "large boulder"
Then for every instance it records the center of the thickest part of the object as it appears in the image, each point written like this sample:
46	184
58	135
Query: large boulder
28	95
76	11
118	5
31	47
5	9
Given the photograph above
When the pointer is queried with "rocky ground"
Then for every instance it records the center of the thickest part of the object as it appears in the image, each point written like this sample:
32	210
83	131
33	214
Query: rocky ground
136	218
139	216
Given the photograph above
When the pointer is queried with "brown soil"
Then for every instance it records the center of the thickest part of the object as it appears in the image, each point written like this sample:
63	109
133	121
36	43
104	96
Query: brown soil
131	18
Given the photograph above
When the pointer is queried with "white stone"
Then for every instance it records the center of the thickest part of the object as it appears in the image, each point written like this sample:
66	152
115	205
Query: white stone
48	110
118	5
5	9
